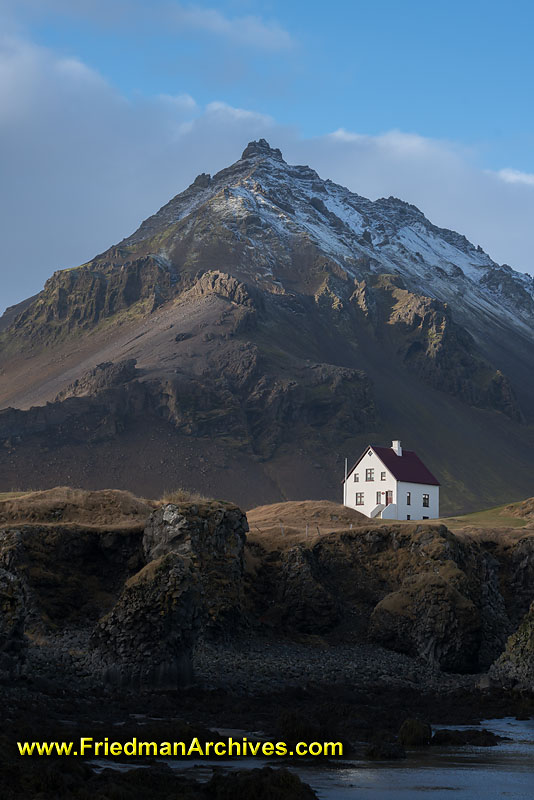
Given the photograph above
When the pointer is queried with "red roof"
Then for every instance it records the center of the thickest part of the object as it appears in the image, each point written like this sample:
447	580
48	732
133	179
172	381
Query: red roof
408	467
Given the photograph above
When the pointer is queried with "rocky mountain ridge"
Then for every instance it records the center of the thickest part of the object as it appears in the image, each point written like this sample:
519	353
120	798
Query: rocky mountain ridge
287	321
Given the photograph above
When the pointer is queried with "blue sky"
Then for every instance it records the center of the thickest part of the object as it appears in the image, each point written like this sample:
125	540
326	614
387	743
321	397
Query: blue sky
109	108
453	70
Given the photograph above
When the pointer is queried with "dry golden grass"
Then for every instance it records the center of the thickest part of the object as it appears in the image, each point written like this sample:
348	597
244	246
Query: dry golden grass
13	493
102	508
282	525
181	495
523	510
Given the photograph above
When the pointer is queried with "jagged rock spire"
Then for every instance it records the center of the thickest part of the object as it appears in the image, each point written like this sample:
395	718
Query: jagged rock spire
261	148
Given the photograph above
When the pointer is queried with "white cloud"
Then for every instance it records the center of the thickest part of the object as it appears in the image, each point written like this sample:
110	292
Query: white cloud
182	102
515	176
251	31
81	167
226	112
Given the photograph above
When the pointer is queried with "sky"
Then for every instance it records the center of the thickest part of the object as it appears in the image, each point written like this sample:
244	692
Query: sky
108	108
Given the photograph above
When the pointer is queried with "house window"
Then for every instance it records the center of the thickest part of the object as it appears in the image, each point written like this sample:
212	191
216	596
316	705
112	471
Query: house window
382	476
409	517
426	501
359	498
409	498
378	498
425	517
356	477
369	474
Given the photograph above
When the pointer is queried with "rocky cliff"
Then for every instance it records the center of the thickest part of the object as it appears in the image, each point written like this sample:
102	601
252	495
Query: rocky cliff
133	595
416	589
126	602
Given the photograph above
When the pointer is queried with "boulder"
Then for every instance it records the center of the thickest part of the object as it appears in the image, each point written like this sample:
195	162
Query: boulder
383	748
266	783
428	617
192	585
472	736
414	733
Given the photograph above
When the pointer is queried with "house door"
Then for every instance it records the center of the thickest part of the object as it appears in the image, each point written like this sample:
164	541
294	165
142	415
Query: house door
389	497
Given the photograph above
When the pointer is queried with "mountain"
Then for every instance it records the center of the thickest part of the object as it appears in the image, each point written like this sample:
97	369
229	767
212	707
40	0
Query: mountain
257	329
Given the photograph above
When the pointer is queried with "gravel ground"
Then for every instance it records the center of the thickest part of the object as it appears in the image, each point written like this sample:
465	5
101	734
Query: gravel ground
254	665
258	665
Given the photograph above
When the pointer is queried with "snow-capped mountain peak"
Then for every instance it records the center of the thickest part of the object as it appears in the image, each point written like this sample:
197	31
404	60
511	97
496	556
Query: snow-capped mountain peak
270	208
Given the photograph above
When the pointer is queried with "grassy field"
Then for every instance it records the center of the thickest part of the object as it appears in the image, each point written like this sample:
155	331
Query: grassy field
498	517
11	495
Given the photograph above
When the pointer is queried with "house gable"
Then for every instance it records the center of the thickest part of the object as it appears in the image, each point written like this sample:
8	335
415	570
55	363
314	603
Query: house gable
368	450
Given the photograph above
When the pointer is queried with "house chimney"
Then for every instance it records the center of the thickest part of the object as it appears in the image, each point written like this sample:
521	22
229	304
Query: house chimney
396	446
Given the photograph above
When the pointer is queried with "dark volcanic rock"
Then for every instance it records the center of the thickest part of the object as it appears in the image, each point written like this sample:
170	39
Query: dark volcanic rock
414	733
429	617
472	736
192	582
308	606
103	376
442	352
412	588
515	667
212	535
70	575
80	298
146	639
265	784
12	619
384	748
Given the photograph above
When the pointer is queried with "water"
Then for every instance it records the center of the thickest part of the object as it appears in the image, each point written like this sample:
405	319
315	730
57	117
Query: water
440	773
469	773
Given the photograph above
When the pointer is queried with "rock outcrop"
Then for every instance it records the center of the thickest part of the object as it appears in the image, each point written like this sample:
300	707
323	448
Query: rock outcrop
70	575
444	353
212	535
430	618
515	667
103	376
414	733
191	584
74	299
416	589
131	592
146	639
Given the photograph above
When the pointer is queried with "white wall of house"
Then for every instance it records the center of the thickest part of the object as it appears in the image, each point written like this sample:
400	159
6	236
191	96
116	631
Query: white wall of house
369	488
383	481
389	512
416	509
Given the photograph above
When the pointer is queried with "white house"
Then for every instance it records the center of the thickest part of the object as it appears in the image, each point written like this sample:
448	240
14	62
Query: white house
391	483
